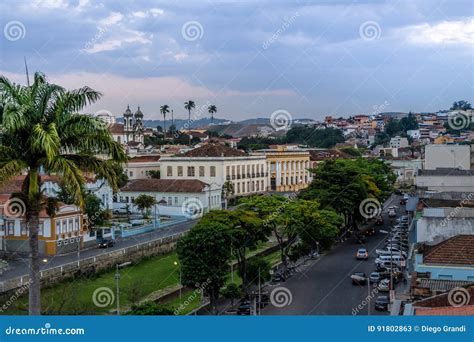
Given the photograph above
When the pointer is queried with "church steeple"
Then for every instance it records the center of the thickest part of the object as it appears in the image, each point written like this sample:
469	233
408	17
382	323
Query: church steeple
128	120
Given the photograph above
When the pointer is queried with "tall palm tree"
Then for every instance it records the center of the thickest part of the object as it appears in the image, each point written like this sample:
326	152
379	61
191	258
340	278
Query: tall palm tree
212	109
189	105
42	133
164	109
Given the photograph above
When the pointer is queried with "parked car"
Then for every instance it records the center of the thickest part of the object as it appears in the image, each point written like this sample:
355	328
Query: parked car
403	201
384	285
359	278
381	303
374	277
370	231
105	243
392	213
379	221
244	308
362	254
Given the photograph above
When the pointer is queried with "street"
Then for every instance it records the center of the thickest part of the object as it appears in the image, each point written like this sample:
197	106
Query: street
20	267
323	286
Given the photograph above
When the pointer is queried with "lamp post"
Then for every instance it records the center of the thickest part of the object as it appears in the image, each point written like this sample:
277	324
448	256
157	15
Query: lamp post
180	278
117	282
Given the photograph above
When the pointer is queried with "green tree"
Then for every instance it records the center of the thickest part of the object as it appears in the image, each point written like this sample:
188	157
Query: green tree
189	105
42	132
232	291
151	309
204	255
461	105
227	191
154	174
314	136
164	109
212	109
258	269
144	203
94	210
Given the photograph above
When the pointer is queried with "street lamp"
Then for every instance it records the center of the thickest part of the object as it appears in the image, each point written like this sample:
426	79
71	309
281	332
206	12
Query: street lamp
180	278
117	283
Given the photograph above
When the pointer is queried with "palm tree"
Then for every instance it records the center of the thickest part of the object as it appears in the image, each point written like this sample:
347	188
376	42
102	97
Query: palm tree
42	133
164	109
212	109
188	105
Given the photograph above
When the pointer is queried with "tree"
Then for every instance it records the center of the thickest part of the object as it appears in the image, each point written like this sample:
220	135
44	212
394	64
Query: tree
232	291
164	109
144	203
461	105
204	256
227	191
189	105
151	309
42	133
258	271
314	136
212	109
154	174
93	210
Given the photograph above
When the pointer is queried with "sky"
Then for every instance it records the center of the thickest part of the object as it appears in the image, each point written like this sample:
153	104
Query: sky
249	58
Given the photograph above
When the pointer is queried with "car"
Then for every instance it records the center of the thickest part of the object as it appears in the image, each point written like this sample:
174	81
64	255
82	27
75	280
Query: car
381	303
105	243
370	231
384	285
379	221
374	277
403	201
398	192
359	278
362	254
244	308
392	213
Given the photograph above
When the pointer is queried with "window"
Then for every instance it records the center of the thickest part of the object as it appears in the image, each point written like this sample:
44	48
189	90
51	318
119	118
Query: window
176	201
41	229
131	173
170	200
71	225
169	171
201	171
11	228
58	227
238	188
190	171
180	171
213	171
23	228
77	223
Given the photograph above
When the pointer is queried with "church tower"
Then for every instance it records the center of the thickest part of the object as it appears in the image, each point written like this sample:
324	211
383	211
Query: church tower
138	127
128	124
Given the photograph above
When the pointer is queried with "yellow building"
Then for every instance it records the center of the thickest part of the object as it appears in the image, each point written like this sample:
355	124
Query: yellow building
288	168
443	139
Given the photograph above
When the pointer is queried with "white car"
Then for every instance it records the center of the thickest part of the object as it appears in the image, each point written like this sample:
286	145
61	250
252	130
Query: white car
392	213
384	285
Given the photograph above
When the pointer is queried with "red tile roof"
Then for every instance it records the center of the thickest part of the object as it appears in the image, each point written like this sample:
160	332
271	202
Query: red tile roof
457	250
214	150
164	185
14	185
144	159
116	128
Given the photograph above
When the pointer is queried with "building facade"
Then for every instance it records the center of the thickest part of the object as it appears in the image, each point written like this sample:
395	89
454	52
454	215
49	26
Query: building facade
131	132
139	167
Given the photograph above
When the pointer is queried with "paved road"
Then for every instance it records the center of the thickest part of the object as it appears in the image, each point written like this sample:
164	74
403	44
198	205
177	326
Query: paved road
21	266
323	287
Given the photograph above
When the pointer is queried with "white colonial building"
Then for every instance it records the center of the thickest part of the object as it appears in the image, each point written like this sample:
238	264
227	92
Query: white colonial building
215	164
174	197
139	167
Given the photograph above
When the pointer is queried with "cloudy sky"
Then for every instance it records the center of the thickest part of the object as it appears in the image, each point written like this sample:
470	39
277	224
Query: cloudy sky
250	58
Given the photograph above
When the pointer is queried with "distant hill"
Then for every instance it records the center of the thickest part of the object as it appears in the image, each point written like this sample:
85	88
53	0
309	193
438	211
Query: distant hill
180	123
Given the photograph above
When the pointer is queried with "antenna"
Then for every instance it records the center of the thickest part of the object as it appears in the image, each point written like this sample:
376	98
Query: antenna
27	76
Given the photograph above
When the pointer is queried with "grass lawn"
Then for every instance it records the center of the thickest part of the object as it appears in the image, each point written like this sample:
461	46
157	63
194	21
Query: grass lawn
76	297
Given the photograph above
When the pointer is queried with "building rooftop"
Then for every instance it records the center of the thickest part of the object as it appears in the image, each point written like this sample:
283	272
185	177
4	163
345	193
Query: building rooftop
116	128
457	250
442	304
144	159
317	155
214	150
164	185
